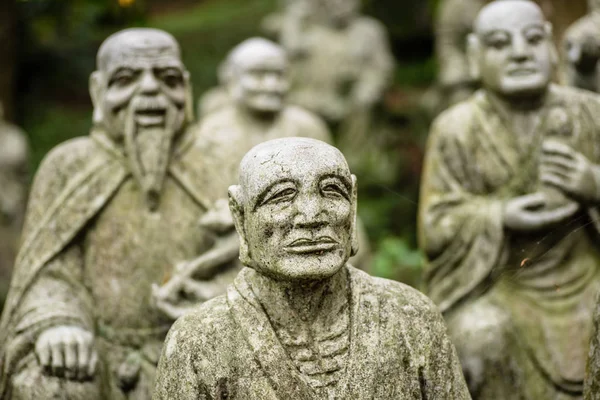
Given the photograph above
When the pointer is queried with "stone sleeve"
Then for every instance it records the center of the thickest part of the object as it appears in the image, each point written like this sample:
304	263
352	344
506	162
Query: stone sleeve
57	297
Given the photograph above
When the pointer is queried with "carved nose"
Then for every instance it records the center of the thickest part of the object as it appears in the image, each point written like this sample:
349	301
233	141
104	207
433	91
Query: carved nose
310	213
149	84
520	50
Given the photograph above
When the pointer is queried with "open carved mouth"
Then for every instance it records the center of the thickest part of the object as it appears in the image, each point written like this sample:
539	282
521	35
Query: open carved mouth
318	245
149	117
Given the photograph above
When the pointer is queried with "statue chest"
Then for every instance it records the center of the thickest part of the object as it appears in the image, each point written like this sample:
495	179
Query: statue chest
128	248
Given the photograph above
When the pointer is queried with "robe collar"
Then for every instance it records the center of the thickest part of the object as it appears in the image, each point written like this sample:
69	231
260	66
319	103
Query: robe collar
358	381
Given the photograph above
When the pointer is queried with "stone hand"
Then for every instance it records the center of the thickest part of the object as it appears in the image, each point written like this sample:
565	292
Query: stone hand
192	279
569	171
67	351
528	213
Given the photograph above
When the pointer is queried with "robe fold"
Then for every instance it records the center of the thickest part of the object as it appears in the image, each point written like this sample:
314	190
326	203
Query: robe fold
228	349
545	281
72	187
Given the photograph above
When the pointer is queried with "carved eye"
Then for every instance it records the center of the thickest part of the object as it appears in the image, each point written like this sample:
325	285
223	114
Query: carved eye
281	196
535	38
123	78
171	78
334	189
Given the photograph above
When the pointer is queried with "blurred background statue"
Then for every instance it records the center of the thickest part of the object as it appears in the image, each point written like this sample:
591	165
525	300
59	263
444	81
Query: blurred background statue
252	109
453	22
341	67
14	157
581	47
509	214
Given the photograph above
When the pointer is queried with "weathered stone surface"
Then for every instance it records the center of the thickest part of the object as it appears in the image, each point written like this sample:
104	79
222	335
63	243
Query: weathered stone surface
298	322
14	154
508	214
110	215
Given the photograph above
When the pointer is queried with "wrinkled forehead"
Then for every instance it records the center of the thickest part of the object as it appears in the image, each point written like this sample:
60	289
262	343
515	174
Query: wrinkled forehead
303	162
259	56
139	49
509	15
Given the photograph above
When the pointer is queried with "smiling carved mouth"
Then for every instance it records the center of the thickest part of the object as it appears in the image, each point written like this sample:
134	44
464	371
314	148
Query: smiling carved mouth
522	71
305	245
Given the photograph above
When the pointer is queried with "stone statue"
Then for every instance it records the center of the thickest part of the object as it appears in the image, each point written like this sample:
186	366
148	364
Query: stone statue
582	50
341	67
109	216
215	98
509	214
298	322
453	23
14	157
254	76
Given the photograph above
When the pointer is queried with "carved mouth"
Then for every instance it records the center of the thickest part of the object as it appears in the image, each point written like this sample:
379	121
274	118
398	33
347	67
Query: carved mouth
522	71
150	116
305	245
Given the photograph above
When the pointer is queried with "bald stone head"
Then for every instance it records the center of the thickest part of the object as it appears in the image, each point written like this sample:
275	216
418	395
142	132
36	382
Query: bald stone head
255	74
295	209
511	48
140	65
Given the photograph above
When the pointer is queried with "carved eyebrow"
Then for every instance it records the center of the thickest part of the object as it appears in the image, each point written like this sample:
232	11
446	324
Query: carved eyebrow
345	181
489	34
261	197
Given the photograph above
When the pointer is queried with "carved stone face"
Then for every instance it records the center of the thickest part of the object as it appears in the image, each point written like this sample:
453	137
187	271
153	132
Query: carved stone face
297	220
141	95
143	75
258	78
515	52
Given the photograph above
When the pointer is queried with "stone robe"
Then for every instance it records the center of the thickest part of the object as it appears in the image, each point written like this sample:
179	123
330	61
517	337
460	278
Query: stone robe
91	250
518	306
229	349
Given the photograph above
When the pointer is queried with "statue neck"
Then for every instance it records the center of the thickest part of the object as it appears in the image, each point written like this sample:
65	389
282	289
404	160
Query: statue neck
518	103
305	300
254	116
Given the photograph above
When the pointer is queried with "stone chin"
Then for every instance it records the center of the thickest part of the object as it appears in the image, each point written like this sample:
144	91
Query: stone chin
524	84
266	103
305	267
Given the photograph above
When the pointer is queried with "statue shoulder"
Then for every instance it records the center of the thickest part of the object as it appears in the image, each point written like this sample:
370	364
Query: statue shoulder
586	26
69	153
309	123
577	97
218	121
62	161
406	306
455	121
201	329
370	29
